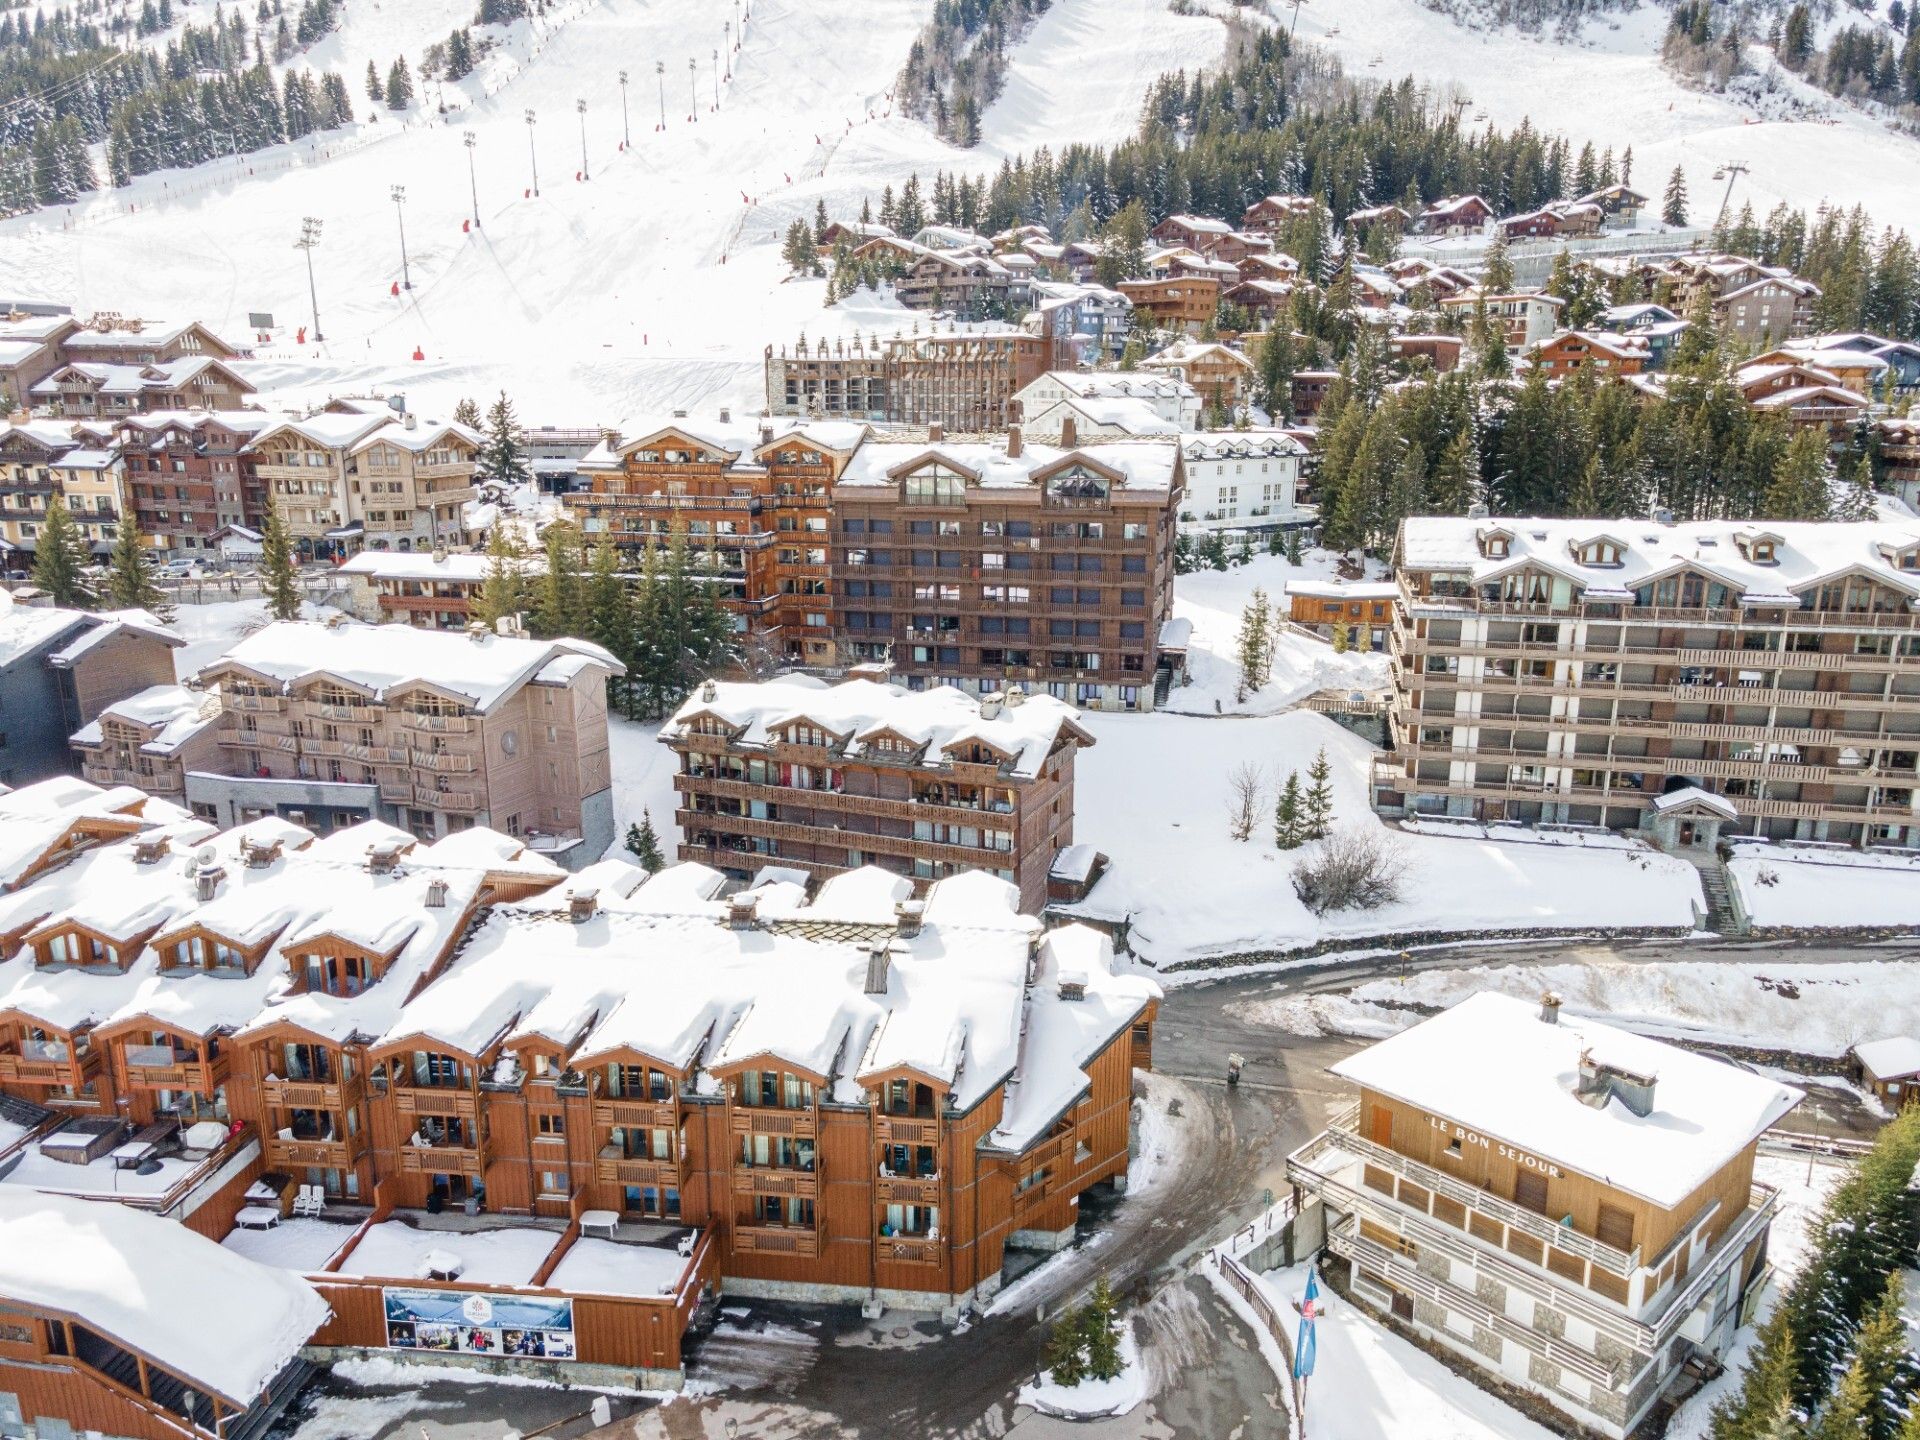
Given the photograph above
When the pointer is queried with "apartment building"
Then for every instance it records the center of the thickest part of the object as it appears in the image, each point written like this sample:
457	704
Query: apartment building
360	476
1182	302
1525	318
150	740
831	1096
1689	680
984	565
189	473
965	381
92	480
845	379
1565	1205
1166	397
801	775
332	724
754	498
59	669
436	590
1243	480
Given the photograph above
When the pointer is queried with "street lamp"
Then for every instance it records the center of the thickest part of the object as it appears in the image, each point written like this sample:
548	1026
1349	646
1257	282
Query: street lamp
581	107
470	140
399	193
310	238
726	31
532	157
626	135
660	72
716	79
693	88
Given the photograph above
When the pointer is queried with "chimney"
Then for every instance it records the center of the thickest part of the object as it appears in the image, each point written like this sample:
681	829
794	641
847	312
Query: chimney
149	849
206	884
1073	985
409	421
709	692
879	961
907	915
743	910
1662	515
1634	1091
1016	697
1069	432
679	414
260	855
766	431
726	415
1477	512
510	626
583	904
936	432
437	895
383	858
610	438
990	705
477	632
1015	442
1550	1008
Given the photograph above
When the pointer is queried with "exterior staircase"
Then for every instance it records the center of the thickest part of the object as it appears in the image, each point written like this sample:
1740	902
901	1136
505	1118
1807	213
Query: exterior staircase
1724	915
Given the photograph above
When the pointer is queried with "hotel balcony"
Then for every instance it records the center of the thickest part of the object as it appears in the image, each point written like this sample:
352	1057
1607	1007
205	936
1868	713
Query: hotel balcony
302	1094
908	1249
906	1130
907	1190
428	1100
46	1062
792	1241
160	1067
612	1167
775	1180
636	1114
292	1153
443	1160
755	1120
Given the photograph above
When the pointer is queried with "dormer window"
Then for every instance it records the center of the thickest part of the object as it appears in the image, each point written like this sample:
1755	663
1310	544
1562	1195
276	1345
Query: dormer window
1762	553
806	735
1600	552
75	947
201	952
342	975
1497	546
934	485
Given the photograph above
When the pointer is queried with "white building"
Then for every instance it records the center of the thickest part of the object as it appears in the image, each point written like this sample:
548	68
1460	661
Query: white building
1167	396
1566	1205
1242	480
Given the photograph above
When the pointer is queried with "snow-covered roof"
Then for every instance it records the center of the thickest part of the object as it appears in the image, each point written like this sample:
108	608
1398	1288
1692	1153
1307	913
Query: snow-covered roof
466	568
173	713
1893	1058
212	1317
1137	464
112	379
662	973
1344	589
387	659
1687	795
857	712
112	623
1238	444
1804	553
1199	224
1130	417
37	817
28	629
1186	352
1116	384
1493	1065
418	437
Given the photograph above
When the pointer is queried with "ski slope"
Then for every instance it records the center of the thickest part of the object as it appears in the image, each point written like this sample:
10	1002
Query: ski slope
1612	90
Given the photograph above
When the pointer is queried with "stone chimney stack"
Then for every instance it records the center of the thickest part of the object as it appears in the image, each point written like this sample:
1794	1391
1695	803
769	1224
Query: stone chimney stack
1016	442
1069	432
936	432
1550	1008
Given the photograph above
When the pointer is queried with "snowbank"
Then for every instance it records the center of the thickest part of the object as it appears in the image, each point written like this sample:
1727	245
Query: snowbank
1152	794
1784	888
1815	1009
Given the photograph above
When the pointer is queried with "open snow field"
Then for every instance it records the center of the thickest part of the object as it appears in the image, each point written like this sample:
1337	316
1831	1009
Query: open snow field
1152	794
1780	886
1813	1009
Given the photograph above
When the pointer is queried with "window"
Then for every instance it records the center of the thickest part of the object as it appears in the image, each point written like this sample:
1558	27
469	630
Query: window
553	1125
555	1182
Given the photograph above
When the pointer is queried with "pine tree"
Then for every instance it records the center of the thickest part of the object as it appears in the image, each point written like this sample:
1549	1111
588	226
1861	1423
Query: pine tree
1766	1389
1254	647
1102	1330
609	608
279	581
559	599
399	92
1289	821
1317	812
376	92
645	844
799	250
60	558
1066	1352
1802	490
130	582
1454	486
1858	499
467	413
503	458
1496	275
1885	1369
1673	210
503	592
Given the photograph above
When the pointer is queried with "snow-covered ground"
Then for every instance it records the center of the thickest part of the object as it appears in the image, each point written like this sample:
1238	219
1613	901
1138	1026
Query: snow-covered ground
642	783
1092	1398
1152	793
1813	1009
1369	1384
1780	886
1214	601
1611	90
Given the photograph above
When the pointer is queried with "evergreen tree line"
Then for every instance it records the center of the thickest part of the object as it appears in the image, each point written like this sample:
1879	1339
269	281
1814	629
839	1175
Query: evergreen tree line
957	66
186	122
1833	1361
1583	447
62	567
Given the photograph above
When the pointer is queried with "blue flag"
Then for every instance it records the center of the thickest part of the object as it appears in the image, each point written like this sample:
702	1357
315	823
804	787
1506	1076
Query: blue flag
1307	1342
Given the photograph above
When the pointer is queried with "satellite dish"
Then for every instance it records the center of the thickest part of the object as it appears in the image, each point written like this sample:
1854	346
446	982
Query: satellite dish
205	856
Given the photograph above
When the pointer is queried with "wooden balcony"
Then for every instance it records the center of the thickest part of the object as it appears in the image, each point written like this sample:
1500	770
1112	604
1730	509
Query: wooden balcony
775	1180
460	802
426	1100
183	1071
339	1154
636	1114
300	1095
904	1190
901	1130
442	1160
776	1240
972	857
616	1169
45	1064
437	724
241	701
751	1120
443	762
910	1251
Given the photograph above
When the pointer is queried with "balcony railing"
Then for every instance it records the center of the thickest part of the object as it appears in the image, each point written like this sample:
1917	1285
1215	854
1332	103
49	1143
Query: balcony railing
776	1240
910	1250
613	1168
905	1190
775	1180
442	1160
901	1130
301	1095
638	1114
755	1120
430	1100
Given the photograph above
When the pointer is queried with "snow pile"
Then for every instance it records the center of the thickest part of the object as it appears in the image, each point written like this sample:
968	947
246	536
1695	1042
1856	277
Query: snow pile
1152	795
1816	1009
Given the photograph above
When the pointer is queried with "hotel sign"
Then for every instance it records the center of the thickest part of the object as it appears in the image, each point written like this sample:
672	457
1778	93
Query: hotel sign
1494	1147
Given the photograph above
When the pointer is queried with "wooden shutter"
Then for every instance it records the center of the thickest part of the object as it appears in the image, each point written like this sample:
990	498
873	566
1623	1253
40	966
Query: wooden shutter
1530	1191
1380	1125
1615	1227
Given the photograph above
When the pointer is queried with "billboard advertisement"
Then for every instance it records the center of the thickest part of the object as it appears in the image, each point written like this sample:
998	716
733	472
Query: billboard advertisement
533	1327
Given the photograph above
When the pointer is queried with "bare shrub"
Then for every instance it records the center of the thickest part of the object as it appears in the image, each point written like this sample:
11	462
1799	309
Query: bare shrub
1246	783
1354	868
